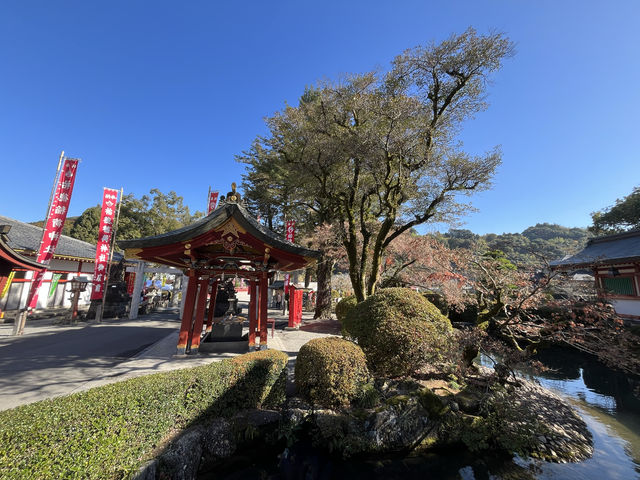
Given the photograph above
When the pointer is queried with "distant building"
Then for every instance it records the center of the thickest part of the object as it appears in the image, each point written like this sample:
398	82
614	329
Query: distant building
72	257
615	262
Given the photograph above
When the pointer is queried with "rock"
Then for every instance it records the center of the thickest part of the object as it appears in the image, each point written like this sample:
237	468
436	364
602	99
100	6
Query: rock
147	471
397	427
181	460
468	402
258	418
217	439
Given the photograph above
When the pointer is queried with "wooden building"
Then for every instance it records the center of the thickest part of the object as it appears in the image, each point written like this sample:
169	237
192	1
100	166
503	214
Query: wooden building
615	262
227	243
72	258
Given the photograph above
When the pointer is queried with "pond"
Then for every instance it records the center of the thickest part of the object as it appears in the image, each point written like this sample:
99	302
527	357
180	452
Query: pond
606	402
603	397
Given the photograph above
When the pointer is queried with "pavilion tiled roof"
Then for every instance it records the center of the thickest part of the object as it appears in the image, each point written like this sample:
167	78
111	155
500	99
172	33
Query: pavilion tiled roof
215	219
25	238
610	249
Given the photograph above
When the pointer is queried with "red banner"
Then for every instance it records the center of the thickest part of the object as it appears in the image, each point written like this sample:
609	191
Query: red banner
291	231
55	222
213	200
109	202
286	282
130	278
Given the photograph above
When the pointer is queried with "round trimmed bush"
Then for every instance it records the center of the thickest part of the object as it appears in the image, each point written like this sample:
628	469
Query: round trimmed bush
331	371
398	330
343	307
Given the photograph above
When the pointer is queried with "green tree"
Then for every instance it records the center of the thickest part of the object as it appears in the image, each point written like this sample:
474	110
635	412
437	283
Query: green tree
151	214
377	154
624	215
86	226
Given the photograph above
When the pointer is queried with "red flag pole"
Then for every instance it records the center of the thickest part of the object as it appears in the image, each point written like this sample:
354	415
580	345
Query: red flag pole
53	191
209	200
21	319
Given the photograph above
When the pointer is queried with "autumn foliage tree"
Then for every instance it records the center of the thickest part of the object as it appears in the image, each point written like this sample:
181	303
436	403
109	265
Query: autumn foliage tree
523	306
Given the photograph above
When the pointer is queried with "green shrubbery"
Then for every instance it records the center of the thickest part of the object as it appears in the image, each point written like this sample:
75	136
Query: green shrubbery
109	431
344	306
331	371
398	330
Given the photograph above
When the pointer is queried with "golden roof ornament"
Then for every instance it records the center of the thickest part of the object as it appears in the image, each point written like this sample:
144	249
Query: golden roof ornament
233	196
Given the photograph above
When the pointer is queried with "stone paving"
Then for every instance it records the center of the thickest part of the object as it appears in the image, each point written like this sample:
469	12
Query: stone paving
161	357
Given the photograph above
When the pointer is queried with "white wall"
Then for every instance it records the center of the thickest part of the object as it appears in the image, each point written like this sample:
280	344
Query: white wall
16	297
627	307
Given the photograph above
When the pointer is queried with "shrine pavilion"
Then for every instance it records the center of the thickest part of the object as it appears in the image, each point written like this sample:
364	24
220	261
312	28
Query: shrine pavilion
227	243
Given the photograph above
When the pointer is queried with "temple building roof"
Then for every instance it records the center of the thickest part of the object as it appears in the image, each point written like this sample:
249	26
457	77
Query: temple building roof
10	259
229	240
610	249
25	239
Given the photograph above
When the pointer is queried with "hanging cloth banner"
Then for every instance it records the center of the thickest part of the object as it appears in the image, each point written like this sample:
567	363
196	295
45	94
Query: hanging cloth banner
286	282
109	203
54	283
55	222
291	231
5	289
213	201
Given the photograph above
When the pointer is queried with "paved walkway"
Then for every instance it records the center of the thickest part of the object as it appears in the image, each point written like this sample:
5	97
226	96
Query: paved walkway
161	357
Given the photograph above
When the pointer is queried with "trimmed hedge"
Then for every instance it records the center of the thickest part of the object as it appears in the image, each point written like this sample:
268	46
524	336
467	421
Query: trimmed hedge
398	330
109	432
331	372
344	306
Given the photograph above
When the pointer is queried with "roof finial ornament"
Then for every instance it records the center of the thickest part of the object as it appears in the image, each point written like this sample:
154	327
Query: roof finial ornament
233	196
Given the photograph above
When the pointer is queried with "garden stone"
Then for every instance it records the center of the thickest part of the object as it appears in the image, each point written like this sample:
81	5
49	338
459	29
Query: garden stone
181	460
399	427
257	418
218	439
147	471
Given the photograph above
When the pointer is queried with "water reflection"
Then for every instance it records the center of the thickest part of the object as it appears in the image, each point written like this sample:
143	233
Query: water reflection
606	402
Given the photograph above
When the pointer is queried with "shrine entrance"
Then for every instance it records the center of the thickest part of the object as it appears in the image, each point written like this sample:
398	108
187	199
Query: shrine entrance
228	243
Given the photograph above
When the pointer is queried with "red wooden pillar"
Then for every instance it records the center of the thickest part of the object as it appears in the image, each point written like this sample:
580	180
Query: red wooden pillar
263	310
212	305
253	303
200	308
187	314
291	306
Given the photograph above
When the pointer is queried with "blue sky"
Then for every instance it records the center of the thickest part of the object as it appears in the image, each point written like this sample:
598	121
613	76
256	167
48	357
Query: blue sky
165	94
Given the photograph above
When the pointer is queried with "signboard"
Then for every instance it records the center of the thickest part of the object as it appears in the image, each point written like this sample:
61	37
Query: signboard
213	201
130	278
55	222
290	231
109	203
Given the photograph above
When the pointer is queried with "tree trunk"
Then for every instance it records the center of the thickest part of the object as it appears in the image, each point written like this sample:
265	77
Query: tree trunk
323	299
374	274
307	277
355	270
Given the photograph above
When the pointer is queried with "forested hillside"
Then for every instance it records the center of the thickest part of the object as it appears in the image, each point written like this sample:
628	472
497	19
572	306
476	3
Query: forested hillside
542	241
